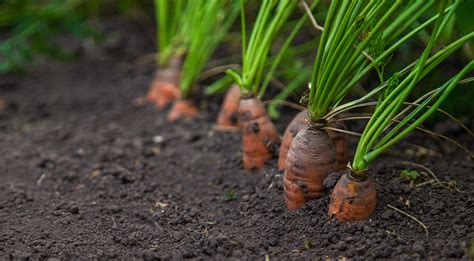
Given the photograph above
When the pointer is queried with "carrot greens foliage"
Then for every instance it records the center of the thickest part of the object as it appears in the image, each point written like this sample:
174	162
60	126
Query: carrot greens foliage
359	36
206	24
272	16
168	14
391	121
192	29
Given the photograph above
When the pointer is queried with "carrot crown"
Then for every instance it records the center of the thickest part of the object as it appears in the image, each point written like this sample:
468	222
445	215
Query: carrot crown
393	119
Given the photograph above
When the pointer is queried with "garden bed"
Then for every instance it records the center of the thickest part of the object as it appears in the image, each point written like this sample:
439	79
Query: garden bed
90	171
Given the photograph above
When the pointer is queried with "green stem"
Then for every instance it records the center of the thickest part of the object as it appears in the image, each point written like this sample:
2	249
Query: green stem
447	90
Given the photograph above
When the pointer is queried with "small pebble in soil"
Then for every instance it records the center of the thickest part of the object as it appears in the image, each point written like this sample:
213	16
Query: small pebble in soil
74	209
158	139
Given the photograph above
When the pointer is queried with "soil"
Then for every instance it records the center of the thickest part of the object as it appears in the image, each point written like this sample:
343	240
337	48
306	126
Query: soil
88	171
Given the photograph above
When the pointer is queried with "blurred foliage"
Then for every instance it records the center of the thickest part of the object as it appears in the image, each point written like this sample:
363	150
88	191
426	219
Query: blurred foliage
28	27
462	24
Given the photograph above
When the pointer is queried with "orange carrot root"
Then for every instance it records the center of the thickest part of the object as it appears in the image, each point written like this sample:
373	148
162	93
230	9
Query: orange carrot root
353	198
340	142
165	86
259	135
298	123
3	104
228	113
311	158
164	93
182	108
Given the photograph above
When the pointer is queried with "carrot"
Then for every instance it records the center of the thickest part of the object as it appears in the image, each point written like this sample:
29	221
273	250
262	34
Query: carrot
228	113
312	156
340	142
165	86
353	198
299	122
182	108
259	135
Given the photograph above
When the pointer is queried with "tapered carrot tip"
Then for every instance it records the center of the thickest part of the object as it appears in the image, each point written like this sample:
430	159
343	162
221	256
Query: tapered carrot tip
259	135
182	109
227	116
298	123
340	142
353	199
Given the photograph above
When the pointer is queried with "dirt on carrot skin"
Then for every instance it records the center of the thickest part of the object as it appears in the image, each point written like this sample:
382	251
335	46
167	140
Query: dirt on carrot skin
87	174
353	198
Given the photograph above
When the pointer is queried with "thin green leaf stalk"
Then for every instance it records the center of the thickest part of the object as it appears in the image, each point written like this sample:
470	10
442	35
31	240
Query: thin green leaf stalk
272	16
372	142
214	18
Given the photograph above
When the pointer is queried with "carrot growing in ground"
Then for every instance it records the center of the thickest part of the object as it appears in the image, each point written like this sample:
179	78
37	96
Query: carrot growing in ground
227	116
206	23
259	135
407	16
165	85
294	72
351	30
354	196
299	122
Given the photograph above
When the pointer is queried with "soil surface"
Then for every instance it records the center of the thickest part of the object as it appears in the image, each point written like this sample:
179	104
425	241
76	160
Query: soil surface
88	171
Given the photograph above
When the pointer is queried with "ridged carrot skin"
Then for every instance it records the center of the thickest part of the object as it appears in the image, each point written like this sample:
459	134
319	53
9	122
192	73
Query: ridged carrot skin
311	158
353	198
165	86
259	135
299	122
227	116
182	108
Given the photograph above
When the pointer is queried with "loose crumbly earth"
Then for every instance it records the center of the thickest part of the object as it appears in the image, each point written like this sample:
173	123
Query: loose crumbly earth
88	171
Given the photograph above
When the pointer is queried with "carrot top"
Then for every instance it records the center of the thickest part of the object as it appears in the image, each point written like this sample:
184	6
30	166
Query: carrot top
205	24
272	15
359	36
192	29
168	14
393	119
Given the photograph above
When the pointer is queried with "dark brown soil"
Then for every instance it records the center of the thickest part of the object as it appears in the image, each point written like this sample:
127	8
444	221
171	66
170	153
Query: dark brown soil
88	172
